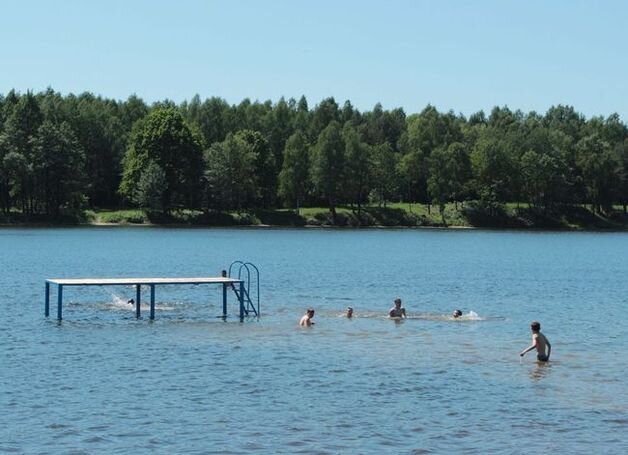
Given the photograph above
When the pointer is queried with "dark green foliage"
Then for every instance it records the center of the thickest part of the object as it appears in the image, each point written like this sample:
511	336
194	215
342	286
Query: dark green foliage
91	147
165	139
230	175
58	167
328	165
150	188
294	178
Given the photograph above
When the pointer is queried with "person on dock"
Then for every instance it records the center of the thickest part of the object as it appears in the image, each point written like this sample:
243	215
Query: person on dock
306	320
456	314
539	342
397	311
349	313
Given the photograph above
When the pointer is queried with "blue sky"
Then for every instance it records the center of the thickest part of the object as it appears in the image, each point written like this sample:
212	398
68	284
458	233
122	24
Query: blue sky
459	55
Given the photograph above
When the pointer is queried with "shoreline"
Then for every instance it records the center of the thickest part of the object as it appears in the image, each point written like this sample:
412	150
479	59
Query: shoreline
564	229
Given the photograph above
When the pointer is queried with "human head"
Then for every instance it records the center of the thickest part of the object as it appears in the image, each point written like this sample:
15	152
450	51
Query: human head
397	301
535	326
310	312
457	313
349	312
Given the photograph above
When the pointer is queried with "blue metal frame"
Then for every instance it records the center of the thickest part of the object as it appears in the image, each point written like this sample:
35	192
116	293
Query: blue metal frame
242	293
152	302
245	292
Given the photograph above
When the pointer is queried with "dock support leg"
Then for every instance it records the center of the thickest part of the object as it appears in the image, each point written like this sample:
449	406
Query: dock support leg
60	302
224	300
152	302
241	298
138	296
47	304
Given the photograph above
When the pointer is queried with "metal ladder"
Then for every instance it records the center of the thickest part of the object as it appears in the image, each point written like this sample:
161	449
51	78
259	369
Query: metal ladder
250	272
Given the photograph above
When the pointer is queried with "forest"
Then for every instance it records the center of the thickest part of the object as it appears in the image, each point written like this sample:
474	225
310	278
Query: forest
63	154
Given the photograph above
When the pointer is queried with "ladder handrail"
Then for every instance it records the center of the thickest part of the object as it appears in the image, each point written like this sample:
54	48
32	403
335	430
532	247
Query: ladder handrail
245	265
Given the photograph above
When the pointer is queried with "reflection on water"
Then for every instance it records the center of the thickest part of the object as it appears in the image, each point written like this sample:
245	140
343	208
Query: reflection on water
102	381
540	370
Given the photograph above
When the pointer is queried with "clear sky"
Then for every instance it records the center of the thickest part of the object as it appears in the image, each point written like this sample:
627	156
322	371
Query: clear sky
459	55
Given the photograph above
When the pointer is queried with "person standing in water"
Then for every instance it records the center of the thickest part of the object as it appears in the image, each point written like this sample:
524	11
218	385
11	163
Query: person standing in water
539	342
397	311
306	320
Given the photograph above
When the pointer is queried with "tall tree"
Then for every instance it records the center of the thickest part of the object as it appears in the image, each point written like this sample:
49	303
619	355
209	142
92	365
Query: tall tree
493	169
411	174
358	166
59	167
230	173
265	171
601	171
294	178
328	167
324	113
20	128
164	138
384	173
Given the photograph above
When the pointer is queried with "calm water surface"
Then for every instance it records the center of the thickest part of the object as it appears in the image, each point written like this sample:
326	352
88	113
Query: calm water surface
103	382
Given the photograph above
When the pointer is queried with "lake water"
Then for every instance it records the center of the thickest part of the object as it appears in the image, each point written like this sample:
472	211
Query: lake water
103	382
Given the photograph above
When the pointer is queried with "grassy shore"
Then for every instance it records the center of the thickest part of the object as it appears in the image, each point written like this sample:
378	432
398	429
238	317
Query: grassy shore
510	216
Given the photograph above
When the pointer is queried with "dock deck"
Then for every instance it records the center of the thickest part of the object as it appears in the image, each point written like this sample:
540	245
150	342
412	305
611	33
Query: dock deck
140	281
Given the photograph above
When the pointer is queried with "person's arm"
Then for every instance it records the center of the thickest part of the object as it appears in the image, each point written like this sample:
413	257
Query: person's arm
549	348
403	313
529	348
391	313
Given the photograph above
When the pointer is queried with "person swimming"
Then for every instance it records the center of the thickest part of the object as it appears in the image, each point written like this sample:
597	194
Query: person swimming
456	314
306	320
349	312
397	311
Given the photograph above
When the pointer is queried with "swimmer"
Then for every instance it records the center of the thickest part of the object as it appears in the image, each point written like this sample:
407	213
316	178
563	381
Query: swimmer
349	312
456	314
306	320
130	301
539	342
397	311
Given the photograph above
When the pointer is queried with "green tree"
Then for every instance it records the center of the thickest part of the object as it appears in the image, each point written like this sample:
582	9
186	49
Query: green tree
601	171
164	138
294	178
411	173
324	113
450	172
358	167
150	188
539	173
384	173
440	181
59	167
493	169
328	167
20	128
230	173
265	171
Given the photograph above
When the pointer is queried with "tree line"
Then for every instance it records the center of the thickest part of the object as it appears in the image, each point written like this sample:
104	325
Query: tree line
60	153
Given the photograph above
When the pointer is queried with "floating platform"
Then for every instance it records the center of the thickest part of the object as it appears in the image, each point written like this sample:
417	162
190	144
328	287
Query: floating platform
239	286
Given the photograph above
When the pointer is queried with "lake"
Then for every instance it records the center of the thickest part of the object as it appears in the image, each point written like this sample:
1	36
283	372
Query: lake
102	381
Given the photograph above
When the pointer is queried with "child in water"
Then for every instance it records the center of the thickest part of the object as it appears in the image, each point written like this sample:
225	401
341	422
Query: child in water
539	342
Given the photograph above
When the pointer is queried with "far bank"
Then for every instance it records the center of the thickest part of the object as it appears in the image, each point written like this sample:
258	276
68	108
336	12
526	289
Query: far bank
470	215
